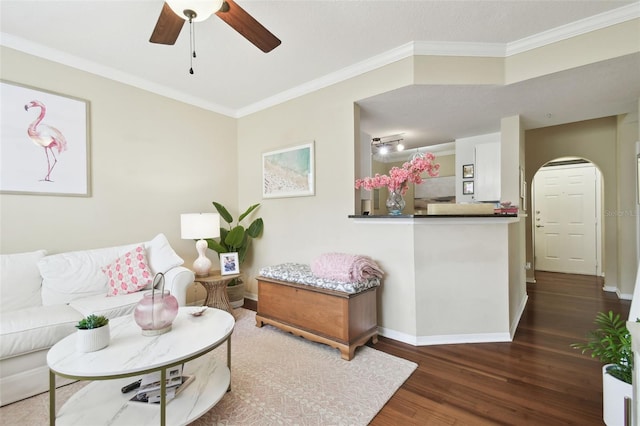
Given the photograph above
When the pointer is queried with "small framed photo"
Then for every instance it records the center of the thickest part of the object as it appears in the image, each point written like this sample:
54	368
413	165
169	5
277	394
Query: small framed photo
467	171
467	187
229	264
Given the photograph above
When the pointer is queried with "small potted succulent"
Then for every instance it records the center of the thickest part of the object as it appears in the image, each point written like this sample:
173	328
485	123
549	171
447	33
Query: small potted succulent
93	333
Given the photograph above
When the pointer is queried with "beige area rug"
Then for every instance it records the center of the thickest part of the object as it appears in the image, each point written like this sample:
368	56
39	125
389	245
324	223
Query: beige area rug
277	379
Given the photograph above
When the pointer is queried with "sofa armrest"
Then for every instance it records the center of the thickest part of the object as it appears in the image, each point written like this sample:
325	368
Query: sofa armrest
177	280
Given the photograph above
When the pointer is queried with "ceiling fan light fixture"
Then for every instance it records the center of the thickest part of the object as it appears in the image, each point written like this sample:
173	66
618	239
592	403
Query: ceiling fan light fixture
201	9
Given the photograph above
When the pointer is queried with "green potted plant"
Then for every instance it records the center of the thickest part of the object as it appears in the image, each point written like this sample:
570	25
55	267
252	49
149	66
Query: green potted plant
611	344
236	238
93	333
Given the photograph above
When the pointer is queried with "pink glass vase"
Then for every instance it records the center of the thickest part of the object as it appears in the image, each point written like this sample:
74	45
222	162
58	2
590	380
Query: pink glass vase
155	312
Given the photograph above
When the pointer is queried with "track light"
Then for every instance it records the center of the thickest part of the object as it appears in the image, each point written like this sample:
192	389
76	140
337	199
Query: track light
384	147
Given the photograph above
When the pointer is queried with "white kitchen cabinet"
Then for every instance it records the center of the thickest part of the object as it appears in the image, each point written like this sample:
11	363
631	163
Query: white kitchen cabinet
487	172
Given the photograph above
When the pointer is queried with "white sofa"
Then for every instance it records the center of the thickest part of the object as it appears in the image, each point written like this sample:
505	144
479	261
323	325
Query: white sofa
43	297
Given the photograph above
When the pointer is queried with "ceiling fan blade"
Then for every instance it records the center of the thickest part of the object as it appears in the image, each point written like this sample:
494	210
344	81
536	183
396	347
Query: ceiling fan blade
167	28
246	25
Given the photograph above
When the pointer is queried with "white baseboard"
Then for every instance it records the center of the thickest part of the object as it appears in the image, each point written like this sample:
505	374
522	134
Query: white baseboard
625	296
396	335
516	320
444	339
622	296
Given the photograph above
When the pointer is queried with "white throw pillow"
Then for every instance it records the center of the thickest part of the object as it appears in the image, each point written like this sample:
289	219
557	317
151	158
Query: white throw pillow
72	275
20	280
161	255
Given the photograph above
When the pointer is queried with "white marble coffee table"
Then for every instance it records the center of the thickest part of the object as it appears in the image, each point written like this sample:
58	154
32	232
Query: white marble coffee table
131	354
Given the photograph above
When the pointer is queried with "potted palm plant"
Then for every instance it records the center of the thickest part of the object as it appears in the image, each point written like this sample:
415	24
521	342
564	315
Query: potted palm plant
93	333
611	344
236	238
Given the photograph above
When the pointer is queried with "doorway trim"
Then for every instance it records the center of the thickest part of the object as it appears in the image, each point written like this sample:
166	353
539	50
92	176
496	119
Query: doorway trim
599	196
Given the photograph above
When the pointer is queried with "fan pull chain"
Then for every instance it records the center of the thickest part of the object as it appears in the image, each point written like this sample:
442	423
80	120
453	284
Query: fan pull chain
192	45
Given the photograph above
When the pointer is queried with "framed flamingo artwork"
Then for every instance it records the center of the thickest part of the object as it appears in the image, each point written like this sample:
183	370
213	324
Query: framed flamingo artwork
44	142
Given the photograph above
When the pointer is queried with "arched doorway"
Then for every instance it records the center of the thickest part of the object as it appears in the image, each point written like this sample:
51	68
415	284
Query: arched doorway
567	216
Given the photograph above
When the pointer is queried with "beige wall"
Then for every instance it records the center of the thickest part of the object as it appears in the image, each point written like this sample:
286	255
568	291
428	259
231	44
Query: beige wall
447	165
152	158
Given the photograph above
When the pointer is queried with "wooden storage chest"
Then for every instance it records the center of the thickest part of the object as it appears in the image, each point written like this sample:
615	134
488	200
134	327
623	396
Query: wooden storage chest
341	320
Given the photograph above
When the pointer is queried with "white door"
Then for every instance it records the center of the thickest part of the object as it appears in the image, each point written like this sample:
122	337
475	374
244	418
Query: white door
565	219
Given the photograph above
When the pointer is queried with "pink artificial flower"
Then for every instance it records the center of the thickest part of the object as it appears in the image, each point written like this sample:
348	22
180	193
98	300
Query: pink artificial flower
398	177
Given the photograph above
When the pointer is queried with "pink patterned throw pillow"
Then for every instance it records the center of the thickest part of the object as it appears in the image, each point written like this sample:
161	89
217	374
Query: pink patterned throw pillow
129	273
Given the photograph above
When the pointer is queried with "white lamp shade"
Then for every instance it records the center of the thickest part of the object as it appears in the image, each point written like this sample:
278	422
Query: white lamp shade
196	226
202	8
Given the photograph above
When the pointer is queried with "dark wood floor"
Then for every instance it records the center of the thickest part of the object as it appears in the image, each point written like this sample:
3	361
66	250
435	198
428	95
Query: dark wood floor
537	379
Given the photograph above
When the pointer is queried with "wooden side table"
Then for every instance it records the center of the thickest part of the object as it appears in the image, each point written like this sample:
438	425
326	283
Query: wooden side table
216	286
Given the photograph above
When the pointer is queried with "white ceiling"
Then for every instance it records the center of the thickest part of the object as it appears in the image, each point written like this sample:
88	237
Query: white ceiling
326	41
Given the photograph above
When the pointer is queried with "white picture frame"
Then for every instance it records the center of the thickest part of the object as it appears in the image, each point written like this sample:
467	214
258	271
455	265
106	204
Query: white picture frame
229	264
289	172
44	141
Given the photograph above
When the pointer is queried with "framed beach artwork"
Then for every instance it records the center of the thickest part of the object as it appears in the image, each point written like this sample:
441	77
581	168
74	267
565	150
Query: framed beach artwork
289	172
44	141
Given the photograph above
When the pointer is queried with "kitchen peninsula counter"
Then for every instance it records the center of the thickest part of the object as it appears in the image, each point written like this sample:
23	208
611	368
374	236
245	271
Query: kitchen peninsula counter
459	279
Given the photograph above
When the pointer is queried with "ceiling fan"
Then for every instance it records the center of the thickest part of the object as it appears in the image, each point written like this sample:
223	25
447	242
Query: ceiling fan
175	12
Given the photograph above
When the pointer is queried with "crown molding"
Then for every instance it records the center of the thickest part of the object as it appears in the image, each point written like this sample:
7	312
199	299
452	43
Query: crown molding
370	64
401	52
54	55
453	48
573	29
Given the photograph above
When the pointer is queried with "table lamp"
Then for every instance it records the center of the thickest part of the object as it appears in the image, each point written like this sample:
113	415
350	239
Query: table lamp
198	226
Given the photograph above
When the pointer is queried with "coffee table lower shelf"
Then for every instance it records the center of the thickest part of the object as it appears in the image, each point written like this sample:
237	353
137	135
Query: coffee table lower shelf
102	403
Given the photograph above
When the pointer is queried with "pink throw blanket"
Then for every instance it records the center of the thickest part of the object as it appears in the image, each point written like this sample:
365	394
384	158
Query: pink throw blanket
345	267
